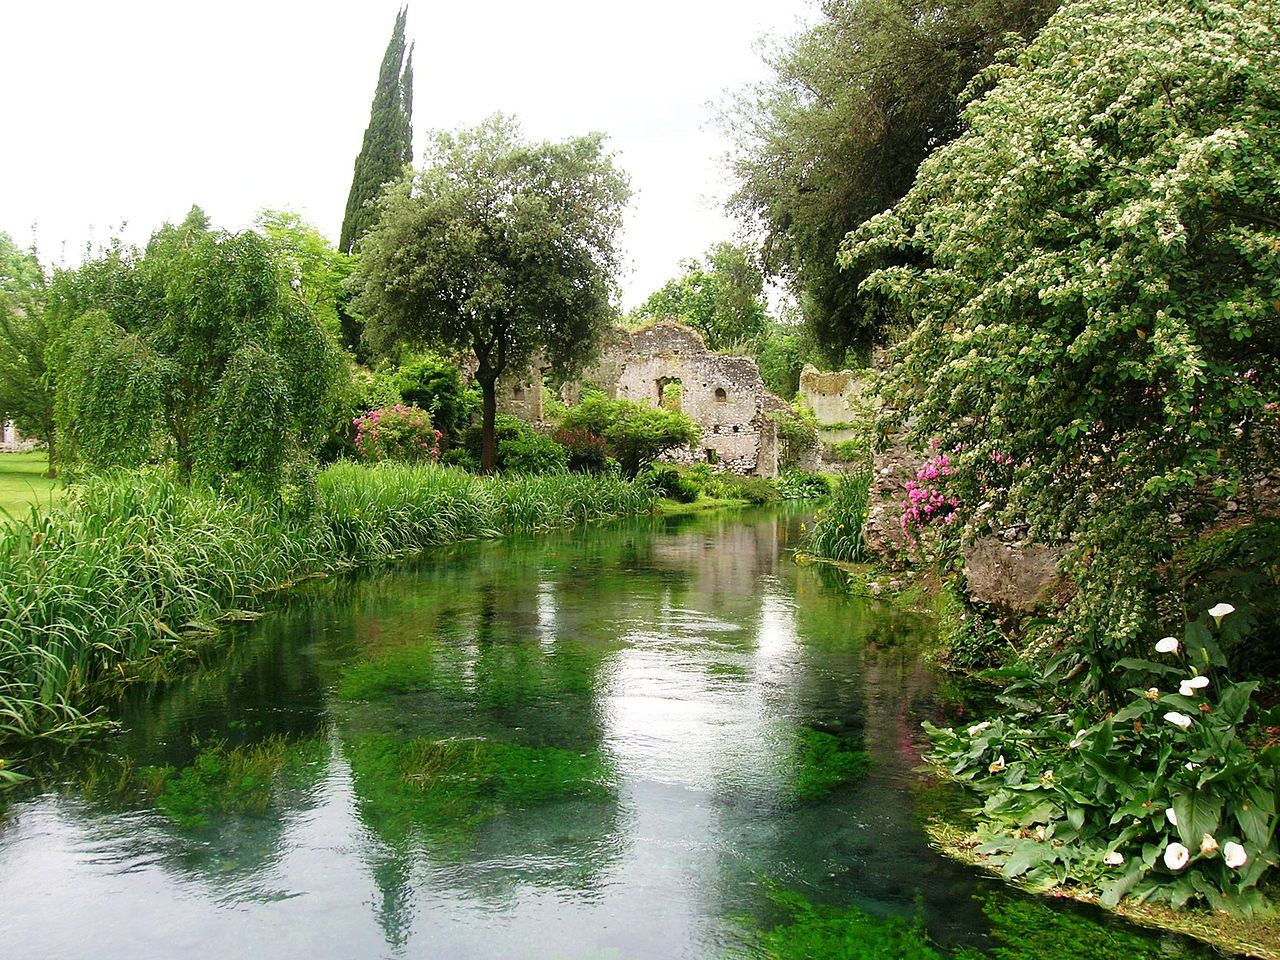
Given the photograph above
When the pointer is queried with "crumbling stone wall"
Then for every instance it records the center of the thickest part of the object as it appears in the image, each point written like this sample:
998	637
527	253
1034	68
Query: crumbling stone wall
519	392
724	395
828	394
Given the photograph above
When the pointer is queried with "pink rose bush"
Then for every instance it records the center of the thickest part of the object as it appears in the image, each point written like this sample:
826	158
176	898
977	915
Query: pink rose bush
397	433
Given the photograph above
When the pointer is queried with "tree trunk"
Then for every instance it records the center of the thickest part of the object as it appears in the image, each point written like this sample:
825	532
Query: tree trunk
488	414
51	441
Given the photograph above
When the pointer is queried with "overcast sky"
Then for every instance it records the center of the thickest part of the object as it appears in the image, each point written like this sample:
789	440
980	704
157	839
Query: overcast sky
127	112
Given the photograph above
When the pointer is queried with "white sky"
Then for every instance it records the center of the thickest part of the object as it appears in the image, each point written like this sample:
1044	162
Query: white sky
127	112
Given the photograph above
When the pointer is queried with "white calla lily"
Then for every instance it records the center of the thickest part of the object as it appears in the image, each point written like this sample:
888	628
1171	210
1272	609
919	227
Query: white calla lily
1113	859
1220	610
1178	719
1171	816
1234	855
1167	645
1176	856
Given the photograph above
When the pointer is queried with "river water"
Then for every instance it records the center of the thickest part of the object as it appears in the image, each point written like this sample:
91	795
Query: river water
656	740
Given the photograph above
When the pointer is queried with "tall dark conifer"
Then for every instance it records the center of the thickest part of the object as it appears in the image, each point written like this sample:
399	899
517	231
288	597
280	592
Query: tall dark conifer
388	140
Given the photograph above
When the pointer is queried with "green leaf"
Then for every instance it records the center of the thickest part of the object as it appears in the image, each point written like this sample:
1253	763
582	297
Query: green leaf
1198	813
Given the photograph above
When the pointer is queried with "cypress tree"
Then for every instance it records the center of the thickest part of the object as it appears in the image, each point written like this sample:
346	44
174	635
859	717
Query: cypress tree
388	140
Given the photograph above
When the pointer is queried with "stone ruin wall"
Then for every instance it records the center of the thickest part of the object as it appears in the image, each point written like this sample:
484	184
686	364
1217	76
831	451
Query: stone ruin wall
724	395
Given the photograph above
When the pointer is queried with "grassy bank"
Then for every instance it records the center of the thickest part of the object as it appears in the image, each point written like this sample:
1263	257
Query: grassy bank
23	483
137	566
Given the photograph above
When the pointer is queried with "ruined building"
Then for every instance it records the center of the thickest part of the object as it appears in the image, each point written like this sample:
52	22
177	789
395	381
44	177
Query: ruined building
668	364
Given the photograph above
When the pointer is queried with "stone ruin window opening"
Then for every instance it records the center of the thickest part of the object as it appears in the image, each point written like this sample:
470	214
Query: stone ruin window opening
722	396
517	393
712	456
670	391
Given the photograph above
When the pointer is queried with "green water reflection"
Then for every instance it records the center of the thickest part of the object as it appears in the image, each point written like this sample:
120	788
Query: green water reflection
659	740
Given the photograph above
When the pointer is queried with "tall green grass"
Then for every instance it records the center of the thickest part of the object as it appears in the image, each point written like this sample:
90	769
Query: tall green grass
839	530
135	565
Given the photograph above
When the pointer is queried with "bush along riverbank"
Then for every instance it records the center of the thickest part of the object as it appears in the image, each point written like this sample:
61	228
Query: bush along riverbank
137	566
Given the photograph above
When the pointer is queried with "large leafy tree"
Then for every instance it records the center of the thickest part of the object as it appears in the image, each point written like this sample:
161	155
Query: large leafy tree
1095	285
499	248
854	104
388	140
721	296
198	348
26	380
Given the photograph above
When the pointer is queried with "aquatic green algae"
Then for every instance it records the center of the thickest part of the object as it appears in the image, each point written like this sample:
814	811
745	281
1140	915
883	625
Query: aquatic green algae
825	762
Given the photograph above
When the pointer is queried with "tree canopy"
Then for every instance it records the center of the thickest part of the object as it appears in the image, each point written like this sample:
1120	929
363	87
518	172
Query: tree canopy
388	140
1094	280
497	247
719	295
198	348
835	136
26	379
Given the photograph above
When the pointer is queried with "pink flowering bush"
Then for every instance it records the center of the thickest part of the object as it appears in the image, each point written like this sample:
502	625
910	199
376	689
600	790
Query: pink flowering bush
397	433
929	500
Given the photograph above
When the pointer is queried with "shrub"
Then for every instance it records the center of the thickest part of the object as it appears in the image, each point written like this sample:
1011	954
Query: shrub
521	447
588	452
436	385
838	530
669	481
397	433
733	486
636	433
797	485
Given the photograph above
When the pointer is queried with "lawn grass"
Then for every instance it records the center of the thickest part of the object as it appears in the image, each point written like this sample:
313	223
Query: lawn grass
23	482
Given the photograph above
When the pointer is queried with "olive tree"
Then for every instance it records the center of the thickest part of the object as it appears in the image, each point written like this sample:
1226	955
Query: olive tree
498	247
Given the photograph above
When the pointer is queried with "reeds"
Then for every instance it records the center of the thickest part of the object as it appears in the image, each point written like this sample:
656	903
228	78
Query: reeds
838	531
135	565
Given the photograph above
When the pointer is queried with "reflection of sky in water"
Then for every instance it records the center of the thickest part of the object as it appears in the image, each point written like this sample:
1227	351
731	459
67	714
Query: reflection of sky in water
689	659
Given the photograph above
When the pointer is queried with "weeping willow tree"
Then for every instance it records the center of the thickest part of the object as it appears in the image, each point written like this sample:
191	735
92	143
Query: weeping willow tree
194	350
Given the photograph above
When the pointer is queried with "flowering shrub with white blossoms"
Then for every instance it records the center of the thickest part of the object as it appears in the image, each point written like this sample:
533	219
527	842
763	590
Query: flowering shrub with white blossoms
1161	800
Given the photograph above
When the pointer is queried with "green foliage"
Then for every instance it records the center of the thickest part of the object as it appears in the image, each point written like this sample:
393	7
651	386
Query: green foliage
498	247
436	385
781	351
797	434
1152	801
971	637
836	134
826	762
388	140
852	450
721	298
1092	268
397	433
196	349
521	447
670	481
636	432
795	485
839	525
311	265
27	335
1242	563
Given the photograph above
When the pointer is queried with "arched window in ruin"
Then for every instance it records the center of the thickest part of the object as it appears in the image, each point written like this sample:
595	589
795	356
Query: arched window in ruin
721	395
669	393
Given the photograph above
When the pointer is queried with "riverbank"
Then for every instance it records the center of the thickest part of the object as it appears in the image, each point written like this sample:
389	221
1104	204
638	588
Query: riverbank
136	567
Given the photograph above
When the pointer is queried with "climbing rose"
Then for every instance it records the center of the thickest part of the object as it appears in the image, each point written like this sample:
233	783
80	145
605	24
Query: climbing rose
1176	856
